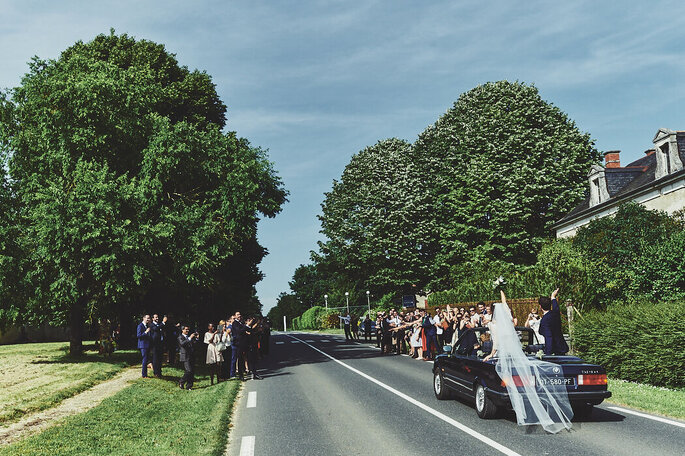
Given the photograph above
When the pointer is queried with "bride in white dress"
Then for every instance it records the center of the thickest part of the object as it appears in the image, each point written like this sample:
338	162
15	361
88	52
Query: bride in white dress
534	398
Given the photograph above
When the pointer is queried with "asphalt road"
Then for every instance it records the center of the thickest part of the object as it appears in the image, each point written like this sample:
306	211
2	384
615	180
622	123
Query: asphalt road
323	396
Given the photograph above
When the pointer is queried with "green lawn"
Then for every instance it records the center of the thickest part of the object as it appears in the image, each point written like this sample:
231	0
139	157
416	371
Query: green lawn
39	376
151	416
651	399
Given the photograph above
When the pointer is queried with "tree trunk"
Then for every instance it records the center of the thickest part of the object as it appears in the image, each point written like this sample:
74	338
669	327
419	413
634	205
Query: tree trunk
76	318
127	329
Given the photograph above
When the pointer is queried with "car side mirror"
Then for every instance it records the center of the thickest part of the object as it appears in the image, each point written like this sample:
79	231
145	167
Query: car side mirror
447	349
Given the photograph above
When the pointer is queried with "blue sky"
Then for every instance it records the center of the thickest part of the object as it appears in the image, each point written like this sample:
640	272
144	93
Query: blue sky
316	81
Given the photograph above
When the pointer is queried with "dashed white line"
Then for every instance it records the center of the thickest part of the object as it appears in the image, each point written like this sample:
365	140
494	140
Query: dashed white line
252	399
309	340
488	441
247	446
294	341
280	343
650	417
325	340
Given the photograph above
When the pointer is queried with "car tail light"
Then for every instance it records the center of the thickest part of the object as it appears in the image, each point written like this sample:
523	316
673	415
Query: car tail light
592	379
520	381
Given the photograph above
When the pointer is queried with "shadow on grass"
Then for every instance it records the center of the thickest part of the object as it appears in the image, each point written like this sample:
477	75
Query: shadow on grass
122	357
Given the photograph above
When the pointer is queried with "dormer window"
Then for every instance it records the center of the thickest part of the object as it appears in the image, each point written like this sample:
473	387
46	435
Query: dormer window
598	185
667	157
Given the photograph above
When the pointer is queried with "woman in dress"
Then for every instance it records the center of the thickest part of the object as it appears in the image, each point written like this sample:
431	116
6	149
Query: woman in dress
224	365
535	398
533	322
214	356
415	340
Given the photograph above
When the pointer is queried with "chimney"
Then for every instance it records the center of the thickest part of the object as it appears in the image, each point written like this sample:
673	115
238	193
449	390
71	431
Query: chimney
612	159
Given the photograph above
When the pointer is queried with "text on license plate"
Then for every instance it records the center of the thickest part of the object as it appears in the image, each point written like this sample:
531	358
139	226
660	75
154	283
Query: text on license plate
556	381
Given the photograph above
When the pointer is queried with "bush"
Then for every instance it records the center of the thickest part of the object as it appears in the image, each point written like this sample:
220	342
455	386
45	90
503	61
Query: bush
318	317
636	342
662	274
330	321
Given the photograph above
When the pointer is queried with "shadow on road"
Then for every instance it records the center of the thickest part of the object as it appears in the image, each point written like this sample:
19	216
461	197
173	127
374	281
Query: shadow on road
352	350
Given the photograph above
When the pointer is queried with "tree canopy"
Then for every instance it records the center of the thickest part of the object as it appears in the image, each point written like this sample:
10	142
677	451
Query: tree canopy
125	183
376	220
482	185
506	166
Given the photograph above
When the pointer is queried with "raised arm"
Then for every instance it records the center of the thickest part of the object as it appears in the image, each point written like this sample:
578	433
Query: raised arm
553	297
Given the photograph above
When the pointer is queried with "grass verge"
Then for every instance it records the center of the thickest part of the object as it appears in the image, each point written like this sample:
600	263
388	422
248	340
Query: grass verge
39	376
151	416
324	331
648	398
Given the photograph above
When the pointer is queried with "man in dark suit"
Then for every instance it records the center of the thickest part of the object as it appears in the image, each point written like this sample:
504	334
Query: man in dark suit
186	345
238	346
550	325
144	341
157	344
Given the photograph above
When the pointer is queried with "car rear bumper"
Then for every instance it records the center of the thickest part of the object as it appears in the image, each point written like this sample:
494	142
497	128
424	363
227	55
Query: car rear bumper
501	398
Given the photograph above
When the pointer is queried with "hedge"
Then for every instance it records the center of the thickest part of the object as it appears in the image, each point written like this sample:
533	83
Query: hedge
638	342
318	317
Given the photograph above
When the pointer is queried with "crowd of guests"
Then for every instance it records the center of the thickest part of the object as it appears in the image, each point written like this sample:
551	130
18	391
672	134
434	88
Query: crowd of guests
231	348
421	334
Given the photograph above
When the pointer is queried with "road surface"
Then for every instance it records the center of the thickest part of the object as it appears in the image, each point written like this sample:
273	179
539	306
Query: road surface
323	396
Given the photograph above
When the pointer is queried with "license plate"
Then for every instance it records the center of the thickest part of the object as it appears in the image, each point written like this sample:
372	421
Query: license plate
556	381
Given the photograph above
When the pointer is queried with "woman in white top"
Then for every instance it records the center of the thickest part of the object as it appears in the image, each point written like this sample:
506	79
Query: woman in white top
415	340
533	322
214	356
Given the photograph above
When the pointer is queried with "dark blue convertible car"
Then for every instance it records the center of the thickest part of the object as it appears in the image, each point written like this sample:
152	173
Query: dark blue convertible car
461	370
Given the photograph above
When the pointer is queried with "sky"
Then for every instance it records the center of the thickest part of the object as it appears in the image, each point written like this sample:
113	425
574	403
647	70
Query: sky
314	82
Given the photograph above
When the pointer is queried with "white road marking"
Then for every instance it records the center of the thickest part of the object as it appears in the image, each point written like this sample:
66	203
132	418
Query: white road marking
280	343
411	400
294	341
252	399
309	340
325	340
247	446
651	417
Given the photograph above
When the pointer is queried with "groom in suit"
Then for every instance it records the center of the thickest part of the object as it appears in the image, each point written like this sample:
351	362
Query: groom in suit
550	325
144	341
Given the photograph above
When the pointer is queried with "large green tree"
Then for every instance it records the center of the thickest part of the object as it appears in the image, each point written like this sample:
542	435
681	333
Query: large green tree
126	182
375	218
502	165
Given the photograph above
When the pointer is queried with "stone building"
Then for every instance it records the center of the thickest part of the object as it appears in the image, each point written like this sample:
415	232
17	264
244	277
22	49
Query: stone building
657	181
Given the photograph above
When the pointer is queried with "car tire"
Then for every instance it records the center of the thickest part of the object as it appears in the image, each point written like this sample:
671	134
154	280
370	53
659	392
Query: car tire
439	388
485	408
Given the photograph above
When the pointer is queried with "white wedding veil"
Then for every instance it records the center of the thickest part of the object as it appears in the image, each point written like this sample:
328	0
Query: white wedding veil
535	395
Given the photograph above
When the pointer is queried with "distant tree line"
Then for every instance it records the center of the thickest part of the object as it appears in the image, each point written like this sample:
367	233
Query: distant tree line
121	193
483	185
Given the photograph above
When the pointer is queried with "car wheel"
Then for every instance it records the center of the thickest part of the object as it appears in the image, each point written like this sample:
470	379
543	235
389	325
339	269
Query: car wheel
439	388
485	408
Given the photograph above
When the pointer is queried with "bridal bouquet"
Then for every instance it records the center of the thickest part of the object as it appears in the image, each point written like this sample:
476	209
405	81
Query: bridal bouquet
499	283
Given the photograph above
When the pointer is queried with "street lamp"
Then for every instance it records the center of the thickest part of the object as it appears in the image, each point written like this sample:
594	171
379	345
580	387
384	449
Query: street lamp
368	302
347	298
325	297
